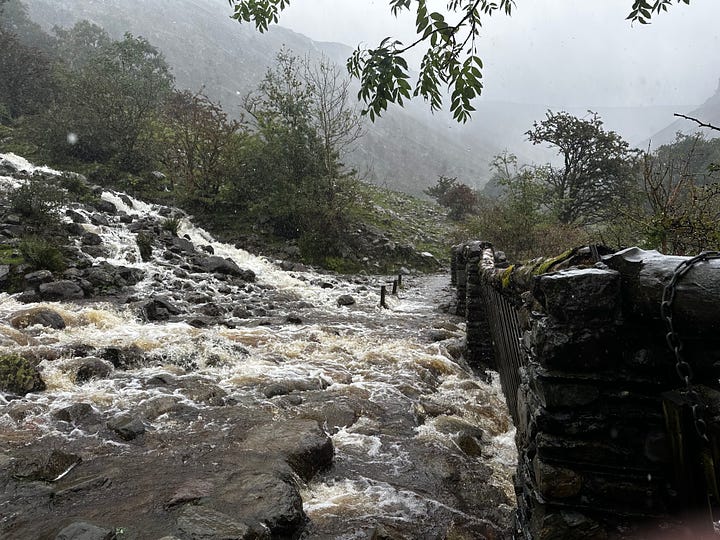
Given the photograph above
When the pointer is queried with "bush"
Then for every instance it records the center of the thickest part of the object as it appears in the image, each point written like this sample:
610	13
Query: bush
75	184
18	375
172	224
39	200
42	254
144	243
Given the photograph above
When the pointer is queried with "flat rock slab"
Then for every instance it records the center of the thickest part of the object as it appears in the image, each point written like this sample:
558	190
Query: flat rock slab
301	443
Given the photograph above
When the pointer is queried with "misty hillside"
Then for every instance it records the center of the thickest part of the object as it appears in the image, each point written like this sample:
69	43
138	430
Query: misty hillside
406	150
208	49
708	113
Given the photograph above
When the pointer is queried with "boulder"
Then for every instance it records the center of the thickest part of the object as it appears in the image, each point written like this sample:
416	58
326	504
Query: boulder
158	309
218	265
345	300
106	206
76	217
74	413
33	279
92	368
266	499
61	290
127	427
46	467
183	244
91	239
124	357
301	443
38	315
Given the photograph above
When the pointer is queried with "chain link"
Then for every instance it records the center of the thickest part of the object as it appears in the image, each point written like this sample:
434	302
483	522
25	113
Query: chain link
683	369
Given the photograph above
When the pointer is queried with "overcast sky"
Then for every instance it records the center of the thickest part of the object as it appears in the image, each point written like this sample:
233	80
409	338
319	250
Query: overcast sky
558	52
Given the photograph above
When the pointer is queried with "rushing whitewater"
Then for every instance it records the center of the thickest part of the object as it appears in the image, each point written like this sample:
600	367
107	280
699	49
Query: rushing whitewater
174	429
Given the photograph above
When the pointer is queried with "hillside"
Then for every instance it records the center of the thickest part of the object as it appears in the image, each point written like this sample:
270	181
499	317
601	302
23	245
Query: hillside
208	49
708	112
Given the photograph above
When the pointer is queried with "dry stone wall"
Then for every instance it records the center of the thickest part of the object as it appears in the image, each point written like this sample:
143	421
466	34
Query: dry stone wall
586	373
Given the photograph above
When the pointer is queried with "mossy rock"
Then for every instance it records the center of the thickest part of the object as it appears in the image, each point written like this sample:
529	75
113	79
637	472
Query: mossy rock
18	375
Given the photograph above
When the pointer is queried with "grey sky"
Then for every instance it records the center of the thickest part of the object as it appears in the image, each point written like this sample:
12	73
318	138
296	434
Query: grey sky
559	52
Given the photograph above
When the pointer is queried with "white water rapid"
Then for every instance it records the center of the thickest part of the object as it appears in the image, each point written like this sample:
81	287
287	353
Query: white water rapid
422	447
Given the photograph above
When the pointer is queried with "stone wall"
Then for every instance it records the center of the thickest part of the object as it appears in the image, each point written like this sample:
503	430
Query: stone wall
595	456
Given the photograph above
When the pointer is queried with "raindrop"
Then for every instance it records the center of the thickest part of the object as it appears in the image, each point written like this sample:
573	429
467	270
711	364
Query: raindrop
72	138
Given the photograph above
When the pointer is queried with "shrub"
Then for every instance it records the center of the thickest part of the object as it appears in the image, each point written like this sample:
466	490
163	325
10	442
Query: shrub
39	200
144	243
172	224
75	184
41	254
18	375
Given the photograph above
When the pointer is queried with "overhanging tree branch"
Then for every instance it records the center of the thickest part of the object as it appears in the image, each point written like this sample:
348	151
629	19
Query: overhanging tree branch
698	122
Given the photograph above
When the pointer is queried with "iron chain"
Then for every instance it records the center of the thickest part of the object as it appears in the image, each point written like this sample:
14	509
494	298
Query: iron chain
682	367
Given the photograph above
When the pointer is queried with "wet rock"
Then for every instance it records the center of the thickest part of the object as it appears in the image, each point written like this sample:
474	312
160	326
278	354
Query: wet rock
92	368
293	318
76	217
85	531
46	467
18	375
200	523
127	427
284	387
301	443
211	309
158	309
39	315
241	313
162	405
105	206
345	300
183	245
61	290
190	491
219	265
202	391
91	239
99	219
556	482
268	499
198	298
74	413
33	279
74	229
124	357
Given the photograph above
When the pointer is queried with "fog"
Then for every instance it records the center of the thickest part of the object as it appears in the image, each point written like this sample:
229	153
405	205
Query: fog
558	53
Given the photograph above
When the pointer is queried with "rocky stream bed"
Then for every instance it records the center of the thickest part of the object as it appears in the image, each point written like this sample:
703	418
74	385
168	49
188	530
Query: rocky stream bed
200	392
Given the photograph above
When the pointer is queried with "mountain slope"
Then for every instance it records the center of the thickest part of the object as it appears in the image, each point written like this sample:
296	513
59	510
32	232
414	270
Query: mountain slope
208	49
405	150
708	112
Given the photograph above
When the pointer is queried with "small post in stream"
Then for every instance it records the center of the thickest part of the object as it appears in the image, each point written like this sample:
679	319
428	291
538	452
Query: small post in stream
383	292
399	281
395	287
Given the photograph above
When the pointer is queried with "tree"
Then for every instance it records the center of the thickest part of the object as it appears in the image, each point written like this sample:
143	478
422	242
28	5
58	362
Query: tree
676	205
26	77
450	58
597	165
336	121
459	198
194	139
112	90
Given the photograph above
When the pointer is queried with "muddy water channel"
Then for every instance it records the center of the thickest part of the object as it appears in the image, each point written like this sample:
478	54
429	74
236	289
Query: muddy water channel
259	409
